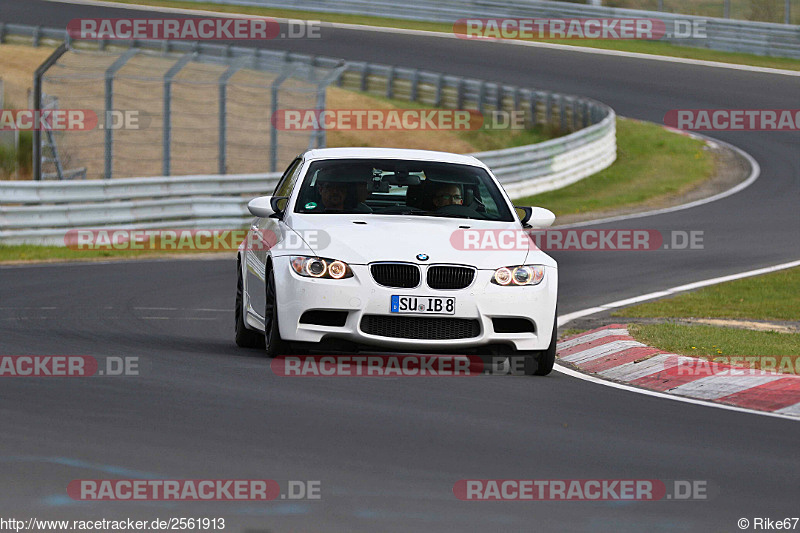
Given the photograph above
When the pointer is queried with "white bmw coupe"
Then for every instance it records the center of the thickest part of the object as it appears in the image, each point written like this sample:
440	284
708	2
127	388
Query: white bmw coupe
390	249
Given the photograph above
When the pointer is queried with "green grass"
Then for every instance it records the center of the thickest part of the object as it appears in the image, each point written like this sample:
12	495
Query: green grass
779	351
484	140
644	47
762	10
774	296
19	160
31	252
652	163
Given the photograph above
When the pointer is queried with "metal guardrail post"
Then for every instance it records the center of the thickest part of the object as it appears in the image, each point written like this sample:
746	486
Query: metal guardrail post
562	113
533	116
166	134
37	103
437	99
390	82
414	86
460	93
109	105
364	74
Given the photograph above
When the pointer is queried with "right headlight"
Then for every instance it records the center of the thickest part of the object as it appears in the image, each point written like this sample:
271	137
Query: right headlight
319	267
519	275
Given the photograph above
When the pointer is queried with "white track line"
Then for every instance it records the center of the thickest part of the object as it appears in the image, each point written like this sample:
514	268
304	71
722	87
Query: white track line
447	35
755	172
646	392
565	319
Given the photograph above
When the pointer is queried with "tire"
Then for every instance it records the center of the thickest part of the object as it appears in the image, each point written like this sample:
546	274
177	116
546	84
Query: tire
245	337
273	343
547	358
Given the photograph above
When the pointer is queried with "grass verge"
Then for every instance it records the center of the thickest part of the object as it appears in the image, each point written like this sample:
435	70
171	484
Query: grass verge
652	164
642	47
765	350
774	296
13	253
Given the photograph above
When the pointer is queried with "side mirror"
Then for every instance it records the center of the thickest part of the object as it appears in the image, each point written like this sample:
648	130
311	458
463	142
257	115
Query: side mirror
266	206
535	217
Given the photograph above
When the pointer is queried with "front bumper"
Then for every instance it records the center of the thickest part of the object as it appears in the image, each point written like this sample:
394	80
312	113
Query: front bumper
361	296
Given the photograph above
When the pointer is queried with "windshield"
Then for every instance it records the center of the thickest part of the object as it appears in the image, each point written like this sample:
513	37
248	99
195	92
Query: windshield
401	187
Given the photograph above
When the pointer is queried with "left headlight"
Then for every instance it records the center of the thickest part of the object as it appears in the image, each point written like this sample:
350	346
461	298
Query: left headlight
519	275
320	267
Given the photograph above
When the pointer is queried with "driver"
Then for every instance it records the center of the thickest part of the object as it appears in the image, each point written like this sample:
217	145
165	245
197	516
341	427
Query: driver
332	195
342	194
445	194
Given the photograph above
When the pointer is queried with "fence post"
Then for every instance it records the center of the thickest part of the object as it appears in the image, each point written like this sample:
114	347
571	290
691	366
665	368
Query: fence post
37	104
109	105
273	138
223	113
166	135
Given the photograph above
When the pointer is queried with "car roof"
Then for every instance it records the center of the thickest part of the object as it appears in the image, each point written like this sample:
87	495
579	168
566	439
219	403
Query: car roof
391	153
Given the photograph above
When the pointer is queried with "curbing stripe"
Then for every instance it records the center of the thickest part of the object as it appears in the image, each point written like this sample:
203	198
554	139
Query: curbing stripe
611	353
716	387
596	334
596	352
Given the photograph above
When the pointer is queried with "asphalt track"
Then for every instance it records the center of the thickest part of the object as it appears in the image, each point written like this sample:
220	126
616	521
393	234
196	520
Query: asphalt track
388	451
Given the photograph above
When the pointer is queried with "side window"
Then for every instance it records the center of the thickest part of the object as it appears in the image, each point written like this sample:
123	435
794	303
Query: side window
287	181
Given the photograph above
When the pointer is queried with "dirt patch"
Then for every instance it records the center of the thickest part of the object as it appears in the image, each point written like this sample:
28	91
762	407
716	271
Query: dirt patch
600	320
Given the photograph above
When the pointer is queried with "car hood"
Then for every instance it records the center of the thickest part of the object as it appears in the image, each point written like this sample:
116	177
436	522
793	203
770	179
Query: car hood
361	239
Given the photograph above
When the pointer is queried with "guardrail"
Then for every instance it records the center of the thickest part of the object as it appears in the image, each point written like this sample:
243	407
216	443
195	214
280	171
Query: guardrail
46	210
761	38
42	211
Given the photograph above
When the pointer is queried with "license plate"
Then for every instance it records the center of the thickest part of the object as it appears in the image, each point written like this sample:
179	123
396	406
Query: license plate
425	305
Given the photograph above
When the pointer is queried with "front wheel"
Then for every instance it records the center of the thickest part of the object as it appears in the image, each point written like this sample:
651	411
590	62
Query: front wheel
272	335
245	337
